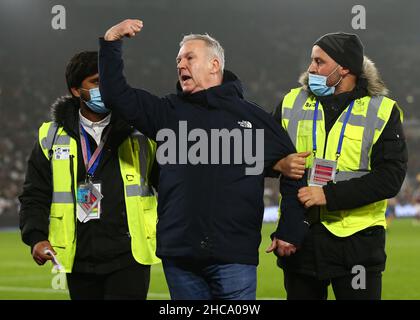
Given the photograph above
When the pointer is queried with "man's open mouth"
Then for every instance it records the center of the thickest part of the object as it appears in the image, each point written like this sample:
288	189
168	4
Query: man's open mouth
185	78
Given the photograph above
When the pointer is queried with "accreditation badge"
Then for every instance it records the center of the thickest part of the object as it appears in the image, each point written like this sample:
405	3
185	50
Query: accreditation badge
322	172
61	153
89	201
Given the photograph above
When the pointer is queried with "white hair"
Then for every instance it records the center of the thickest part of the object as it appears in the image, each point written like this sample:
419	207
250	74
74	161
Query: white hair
214	46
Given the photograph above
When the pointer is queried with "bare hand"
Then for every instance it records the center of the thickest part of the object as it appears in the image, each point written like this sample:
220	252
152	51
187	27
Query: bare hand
281	247
312	196
293	166
126	28
38	252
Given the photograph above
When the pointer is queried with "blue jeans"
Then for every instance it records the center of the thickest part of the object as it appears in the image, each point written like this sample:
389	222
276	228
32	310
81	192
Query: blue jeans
189	279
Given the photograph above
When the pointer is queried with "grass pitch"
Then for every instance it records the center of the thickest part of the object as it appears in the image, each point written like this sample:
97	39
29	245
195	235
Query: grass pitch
22	279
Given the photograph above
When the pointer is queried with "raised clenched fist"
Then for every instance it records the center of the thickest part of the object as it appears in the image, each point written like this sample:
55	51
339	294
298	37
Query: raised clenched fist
126	28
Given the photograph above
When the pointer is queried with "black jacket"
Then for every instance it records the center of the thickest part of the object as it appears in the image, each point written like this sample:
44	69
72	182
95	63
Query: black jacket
389	153
322	254
102	245
205	211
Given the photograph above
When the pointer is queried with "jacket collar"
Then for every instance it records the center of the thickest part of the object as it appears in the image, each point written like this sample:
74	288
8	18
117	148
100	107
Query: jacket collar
231	86
65	112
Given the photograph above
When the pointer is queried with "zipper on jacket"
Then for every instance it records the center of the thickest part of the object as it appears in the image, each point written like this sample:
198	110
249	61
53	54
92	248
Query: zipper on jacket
323	154
74	196
326	134
325	144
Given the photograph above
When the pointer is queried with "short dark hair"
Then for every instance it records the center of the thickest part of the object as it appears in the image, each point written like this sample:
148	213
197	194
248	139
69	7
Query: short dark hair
81	66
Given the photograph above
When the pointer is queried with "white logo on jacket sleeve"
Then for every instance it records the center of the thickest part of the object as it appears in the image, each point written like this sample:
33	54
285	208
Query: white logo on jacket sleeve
245	124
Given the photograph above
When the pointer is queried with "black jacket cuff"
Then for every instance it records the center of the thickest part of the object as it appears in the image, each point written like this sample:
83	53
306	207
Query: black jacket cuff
329	196
295	237
34	237
114	43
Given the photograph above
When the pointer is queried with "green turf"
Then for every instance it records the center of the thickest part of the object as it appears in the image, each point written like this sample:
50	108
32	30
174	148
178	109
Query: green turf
21	278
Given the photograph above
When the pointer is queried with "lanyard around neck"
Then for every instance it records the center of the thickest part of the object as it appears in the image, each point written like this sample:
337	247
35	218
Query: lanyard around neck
343	128
90	160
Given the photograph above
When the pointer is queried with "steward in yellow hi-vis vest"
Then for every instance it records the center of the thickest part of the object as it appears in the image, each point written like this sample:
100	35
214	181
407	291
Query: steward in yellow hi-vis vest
351	147
88	203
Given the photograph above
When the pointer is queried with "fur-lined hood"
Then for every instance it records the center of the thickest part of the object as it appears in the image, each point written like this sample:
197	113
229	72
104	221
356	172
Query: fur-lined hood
64	109
65	112
375	84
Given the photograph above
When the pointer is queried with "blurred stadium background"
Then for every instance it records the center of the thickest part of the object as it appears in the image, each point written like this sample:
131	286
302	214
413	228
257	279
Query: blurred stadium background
267	44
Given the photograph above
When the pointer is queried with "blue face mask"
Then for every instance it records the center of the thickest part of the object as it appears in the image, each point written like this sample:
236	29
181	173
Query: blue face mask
318	84
95	103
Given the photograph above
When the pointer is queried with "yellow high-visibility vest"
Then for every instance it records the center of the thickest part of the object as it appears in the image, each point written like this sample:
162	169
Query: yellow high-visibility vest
136	155
368	118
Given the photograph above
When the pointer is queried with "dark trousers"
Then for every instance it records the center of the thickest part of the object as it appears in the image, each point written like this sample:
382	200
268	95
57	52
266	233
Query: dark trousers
304	287
130	283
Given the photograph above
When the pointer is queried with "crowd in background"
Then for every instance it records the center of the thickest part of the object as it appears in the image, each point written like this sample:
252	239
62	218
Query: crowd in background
25	101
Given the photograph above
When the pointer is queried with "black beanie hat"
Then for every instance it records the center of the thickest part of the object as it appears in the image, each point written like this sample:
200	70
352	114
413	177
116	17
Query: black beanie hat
345	48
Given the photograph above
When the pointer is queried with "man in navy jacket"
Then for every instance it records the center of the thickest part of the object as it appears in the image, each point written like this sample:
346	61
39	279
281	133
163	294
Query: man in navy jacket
210	202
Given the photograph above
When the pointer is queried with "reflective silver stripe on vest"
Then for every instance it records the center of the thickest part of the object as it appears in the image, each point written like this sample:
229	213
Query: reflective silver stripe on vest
62	197
370	123
347	175
47	142
62	140
297	113
373	122
137	190
143	189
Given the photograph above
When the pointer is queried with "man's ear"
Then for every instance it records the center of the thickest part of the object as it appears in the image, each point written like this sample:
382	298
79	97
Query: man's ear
344	71
75	92
215	65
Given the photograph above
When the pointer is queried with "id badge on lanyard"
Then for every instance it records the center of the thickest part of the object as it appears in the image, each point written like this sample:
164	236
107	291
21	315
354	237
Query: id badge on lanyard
89	201
324	170
89	194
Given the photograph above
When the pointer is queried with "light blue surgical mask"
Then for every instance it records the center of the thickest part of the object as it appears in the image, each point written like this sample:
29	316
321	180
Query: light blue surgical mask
318	84
95	103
